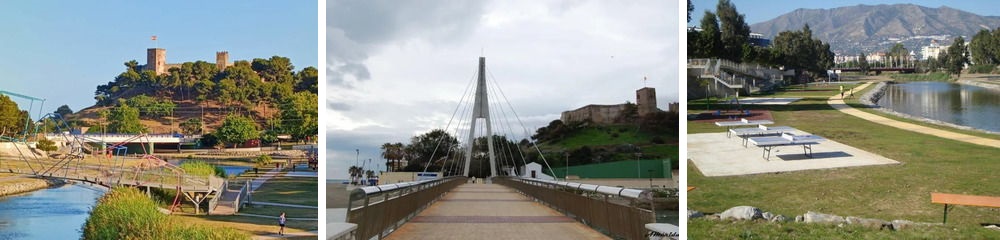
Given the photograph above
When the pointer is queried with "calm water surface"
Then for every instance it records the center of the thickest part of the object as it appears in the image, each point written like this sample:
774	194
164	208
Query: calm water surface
964	105
54	213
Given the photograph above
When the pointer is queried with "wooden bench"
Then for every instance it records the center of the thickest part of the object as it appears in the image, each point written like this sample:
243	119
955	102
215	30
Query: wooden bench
968	200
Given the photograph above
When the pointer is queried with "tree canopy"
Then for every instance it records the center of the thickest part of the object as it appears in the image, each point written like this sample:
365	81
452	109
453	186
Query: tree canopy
958	56
237	129
124	119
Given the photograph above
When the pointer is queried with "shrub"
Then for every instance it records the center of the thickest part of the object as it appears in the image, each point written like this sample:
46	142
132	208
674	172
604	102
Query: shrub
201	168
263	160
981	68
657	140
126	213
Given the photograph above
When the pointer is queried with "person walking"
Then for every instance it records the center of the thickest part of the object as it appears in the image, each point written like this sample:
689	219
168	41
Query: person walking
281	222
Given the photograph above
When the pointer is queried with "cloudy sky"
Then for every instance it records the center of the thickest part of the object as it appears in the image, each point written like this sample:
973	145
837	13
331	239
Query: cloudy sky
398	69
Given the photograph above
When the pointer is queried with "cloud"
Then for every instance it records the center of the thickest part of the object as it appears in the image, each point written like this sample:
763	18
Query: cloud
358	28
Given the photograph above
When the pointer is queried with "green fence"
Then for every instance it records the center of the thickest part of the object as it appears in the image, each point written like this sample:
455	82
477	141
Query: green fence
621	169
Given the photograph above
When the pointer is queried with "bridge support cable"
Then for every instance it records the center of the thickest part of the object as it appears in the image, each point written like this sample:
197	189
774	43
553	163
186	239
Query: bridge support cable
447	126
508	125
516	116
506	156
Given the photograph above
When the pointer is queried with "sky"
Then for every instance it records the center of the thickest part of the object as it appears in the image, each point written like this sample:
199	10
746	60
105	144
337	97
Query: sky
398	69
758	11
62	50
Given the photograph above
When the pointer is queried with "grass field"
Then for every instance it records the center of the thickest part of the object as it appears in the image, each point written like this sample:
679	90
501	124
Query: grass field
929	164
290	190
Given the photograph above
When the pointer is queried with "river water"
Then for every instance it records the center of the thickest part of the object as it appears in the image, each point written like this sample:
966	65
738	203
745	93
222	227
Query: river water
53	213
958	104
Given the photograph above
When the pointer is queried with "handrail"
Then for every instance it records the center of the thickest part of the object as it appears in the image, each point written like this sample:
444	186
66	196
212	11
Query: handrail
382	209
596	206
637	194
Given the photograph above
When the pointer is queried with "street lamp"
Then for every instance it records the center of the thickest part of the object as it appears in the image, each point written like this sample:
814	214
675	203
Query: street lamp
650	179
638	171
566	177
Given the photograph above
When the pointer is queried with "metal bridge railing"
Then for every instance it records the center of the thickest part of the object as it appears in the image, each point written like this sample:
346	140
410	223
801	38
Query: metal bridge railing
378	210
609	209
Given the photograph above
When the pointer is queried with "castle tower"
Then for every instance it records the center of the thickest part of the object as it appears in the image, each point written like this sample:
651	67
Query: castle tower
221	60
645	99
156	60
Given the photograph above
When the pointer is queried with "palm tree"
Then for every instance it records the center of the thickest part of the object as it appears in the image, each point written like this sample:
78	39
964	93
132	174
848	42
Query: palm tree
355	172
392	152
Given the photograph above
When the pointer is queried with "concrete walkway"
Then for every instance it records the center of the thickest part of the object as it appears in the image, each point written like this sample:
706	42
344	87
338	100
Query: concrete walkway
274	217
491	211
838	103
287	235
283	205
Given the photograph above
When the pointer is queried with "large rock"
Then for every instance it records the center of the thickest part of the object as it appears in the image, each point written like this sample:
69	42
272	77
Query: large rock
869	222
767	215
692	214
902	224
815	217
905	224
741	213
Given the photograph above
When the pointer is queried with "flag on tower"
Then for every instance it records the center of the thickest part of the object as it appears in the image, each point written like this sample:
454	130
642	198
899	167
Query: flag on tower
153	38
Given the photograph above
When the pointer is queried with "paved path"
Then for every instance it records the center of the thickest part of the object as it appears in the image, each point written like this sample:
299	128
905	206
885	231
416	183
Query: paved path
284	205
287	235
491	211
838	103
275	217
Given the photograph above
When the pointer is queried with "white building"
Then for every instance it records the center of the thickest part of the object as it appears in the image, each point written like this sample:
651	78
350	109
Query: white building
932	51
531	170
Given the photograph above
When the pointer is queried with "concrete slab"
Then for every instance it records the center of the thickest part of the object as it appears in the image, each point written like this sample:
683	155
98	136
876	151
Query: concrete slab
716	155
768	101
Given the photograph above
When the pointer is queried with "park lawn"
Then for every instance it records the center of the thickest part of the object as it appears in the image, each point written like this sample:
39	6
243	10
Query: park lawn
901	191
856	103
290	190
252	225
276	210
710	229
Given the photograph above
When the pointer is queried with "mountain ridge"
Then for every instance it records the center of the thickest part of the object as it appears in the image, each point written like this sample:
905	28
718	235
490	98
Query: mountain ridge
871	24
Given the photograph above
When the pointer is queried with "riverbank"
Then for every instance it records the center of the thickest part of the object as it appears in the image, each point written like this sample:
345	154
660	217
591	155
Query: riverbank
991	82
871	95
11	184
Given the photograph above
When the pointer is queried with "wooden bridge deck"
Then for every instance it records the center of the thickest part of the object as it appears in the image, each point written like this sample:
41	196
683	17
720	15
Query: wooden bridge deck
491	211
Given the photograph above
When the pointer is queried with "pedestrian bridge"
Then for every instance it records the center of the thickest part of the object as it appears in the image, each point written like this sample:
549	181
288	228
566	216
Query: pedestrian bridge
514	208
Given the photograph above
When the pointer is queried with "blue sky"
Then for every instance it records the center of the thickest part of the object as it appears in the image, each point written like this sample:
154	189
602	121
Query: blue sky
61	50
759	11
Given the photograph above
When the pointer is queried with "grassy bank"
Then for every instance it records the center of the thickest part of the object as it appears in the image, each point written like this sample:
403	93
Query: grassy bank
126	213
929	164
916	77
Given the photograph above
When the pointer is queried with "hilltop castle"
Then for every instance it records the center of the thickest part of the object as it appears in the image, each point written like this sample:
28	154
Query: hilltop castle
645	99
156	61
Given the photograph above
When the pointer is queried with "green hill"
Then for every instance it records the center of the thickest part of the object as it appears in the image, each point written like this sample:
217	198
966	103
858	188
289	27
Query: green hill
609	143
